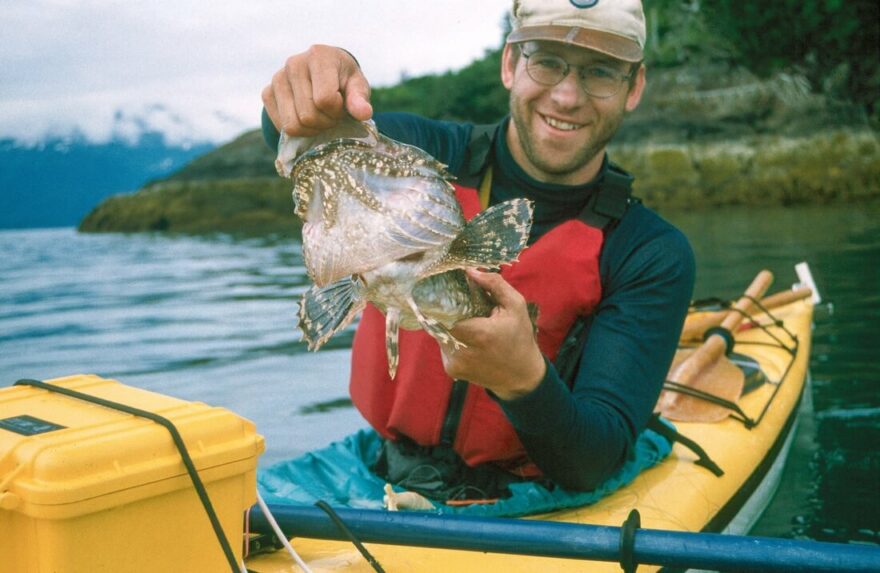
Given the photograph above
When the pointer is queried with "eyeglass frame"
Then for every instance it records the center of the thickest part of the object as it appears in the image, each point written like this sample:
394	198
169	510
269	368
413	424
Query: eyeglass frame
567	68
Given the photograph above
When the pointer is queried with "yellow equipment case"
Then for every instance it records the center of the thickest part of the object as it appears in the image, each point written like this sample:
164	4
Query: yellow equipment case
86	488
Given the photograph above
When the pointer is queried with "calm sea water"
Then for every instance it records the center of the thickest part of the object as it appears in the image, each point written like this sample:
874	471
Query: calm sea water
213	319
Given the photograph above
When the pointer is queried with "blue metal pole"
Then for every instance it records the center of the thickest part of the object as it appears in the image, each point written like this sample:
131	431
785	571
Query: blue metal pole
576	541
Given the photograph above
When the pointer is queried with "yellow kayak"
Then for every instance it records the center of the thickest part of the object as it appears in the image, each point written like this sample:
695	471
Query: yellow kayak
675	495
86	487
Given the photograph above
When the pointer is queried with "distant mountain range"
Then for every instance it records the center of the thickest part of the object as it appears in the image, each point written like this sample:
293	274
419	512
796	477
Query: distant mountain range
56	182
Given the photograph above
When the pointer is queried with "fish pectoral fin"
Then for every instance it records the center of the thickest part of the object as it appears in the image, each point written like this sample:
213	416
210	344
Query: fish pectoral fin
434	327
494	237
325	311
392	328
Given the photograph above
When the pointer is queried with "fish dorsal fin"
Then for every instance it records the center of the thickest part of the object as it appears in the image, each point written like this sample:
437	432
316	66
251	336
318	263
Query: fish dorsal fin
493	238
416	161
325	311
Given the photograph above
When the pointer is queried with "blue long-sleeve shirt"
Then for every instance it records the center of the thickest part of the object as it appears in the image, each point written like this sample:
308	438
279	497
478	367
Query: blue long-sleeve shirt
580	435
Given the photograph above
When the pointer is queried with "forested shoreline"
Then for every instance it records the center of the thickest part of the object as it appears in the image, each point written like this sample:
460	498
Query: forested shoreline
747	104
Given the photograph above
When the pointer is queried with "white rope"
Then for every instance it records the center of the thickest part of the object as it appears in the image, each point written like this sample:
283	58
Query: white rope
280	534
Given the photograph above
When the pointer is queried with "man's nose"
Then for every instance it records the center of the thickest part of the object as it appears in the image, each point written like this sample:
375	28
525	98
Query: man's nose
568	92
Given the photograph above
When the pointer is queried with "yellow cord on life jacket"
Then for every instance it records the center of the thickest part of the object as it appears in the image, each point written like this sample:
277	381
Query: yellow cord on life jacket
486	187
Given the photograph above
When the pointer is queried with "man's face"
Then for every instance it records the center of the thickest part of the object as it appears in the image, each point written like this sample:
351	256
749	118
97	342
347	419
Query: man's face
559	133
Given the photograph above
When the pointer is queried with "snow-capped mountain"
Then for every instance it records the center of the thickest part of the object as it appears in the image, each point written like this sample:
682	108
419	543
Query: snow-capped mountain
57	179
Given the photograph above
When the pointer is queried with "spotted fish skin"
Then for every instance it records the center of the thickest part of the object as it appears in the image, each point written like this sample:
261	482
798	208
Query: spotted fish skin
381	224
366	200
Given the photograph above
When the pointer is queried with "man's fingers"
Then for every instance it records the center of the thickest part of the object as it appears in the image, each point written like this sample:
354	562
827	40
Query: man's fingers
280	102
278	99
271	106
499	289
314	90
357	97
318	107
508	301
355	88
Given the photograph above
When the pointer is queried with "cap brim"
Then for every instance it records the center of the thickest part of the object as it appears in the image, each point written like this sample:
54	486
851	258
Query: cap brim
604	42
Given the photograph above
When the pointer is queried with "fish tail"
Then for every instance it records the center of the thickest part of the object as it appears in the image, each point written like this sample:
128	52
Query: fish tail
494	237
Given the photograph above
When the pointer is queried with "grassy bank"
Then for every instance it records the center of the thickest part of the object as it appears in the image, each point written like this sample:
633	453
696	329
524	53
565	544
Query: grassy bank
248	206
824	167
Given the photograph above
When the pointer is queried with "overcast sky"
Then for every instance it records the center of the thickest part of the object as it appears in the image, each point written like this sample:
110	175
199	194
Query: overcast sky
196	67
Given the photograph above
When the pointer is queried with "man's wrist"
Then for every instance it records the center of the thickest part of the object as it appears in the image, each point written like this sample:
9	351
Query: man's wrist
527	383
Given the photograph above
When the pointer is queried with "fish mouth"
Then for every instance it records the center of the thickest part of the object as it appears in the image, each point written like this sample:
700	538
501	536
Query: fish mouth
559	124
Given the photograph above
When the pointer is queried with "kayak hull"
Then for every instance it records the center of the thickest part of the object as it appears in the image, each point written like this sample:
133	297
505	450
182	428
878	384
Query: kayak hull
675	495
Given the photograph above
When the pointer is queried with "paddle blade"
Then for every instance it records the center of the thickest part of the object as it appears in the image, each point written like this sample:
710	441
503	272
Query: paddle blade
721	378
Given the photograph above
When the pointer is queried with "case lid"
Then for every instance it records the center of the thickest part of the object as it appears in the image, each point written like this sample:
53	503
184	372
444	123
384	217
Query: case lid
56	449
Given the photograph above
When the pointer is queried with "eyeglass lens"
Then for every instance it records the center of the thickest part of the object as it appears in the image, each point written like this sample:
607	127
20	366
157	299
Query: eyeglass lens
597	80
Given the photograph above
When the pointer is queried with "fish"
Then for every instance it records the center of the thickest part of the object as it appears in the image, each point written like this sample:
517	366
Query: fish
381	225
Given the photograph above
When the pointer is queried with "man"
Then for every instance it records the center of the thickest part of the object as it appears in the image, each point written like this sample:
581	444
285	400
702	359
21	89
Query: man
596	258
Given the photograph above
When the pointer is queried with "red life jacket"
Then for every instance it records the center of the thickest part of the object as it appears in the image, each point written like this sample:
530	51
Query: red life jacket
559	272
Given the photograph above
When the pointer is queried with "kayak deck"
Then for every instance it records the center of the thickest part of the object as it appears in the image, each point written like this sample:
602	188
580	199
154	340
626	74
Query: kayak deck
675	495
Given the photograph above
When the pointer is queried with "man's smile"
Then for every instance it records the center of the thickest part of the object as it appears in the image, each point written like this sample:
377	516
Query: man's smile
560	124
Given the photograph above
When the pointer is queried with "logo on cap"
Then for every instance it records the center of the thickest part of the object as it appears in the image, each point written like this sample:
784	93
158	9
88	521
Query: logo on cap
583	3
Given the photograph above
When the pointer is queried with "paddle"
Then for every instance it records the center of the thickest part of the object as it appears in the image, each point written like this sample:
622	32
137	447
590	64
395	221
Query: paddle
708	370
676	549
696	324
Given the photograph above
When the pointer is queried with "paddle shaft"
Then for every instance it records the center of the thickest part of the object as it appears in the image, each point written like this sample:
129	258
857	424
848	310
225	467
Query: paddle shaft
696	324
715	345
574	541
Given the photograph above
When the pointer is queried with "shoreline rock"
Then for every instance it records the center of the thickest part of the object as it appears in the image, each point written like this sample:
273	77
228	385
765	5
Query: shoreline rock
830	166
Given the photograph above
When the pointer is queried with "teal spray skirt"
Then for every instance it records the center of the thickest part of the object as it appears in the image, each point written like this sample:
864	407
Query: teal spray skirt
340	475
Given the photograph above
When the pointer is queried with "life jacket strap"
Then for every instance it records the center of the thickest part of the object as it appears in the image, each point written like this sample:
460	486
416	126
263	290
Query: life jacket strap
604	209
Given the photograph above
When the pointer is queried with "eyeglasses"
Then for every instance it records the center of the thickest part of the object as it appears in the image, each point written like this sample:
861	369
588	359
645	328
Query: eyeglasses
597	80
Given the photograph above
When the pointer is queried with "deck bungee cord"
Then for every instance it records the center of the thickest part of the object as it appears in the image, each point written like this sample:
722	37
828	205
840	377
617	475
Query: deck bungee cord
340	523
198	485
770	326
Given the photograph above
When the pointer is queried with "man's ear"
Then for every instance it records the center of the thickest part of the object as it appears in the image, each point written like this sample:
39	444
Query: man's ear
509	57
634	96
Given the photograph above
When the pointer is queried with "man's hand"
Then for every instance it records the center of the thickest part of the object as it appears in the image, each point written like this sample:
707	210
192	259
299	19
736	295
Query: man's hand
314	90
502	354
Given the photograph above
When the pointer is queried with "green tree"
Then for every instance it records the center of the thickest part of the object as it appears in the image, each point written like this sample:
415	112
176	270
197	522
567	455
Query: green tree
835	42
677	35
474	93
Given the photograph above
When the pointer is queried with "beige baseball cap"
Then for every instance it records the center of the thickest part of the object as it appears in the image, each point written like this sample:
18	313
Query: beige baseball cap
612	27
